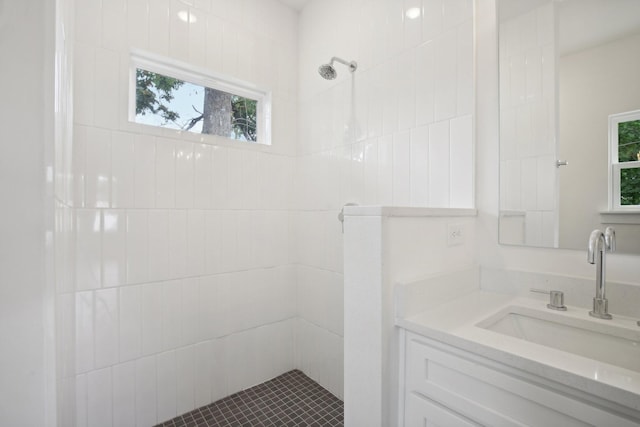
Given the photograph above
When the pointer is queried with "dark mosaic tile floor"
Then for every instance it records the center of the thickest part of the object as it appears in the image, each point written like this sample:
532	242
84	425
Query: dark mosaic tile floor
292	399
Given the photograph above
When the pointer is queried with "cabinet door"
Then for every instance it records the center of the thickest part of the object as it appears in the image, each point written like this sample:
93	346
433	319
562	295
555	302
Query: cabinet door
421	412
495	395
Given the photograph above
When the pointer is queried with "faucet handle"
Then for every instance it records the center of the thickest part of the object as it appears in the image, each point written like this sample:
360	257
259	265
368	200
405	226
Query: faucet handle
341	214
610	239
556	299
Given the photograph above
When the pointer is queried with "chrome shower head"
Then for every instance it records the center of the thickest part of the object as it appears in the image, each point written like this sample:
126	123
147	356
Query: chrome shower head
328	72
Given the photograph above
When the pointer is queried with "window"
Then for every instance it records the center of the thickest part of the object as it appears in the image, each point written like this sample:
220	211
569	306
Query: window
624	164
172	95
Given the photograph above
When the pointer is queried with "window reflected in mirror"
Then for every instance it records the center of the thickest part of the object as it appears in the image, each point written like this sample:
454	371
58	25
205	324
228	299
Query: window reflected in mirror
560	83
625	161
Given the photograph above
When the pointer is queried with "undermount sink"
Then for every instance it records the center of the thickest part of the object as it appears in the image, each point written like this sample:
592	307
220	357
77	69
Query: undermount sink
612	343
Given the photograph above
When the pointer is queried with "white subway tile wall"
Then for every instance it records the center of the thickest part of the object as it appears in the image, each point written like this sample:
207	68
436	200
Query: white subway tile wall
173	251
195	268
124	394
527	125
99	398
399	131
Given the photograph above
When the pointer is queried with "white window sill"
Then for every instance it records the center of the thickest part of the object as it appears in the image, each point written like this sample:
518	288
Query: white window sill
620	217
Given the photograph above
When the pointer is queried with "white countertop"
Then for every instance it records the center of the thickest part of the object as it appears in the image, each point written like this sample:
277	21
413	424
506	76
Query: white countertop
454	323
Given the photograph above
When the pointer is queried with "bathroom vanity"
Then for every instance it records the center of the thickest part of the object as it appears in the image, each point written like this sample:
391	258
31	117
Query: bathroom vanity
497	359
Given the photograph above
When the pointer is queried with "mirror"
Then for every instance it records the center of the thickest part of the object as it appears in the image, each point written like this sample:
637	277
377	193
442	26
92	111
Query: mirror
569	69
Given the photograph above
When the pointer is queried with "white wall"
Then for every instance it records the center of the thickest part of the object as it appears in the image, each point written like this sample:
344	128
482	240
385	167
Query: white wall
397	132
621	268
26	322
594	83
182	285
384	247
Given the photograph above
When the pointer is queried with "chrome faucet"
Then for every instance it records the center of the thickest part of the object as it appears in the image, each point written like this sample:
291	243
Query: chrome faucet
599	243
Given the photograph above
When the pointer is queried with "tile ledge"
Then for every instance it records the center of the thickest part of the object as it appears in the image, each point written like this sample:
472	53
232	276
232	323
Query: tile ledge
408	212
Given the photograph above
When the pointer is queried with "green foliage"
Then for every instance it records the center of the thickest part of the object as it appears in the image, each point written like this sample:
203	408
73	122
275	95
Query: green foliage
153	94
630	187
629	151
629	141
244	118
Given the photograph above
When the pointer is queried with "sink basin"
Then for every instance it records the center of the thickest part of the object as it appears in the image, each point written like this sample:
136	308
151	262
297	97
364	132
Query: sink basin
613	343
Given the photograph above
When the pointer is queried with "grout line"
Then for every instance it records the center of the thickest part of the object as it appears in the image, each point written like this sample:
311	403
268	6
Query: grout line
289	398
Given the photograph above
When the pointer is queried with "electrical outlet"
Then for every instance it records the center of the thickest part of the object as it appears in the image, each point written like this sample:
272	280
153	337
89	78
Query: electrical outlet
455	234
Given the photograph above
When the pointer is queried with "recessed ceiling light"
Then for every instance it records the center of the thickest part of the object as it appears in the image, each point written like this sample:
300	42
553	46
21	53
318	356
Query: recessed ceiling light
185	16
413	13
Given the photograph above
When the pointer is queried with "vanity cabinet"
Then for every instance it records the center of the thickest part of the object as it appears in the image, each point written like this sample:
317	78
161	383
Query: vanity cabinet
446	386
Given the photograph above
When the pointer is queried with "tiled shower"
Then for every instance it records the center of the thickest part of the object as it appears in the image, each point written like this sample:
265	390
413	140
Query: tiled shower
146	272
180	284
397	132
191	269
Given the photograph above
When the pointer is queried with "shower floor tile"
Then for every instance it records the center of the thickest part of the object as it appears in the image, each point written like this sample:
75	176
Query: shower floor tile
292	399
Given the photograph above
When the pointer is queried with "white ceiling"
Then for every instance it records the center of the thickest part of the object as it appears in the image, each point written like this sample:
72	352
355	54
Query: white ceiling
588	23
583	23
295	4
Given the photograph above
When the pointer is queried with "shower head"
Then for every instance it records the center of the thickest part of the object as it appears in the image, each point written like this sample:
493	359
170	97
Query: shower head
328	72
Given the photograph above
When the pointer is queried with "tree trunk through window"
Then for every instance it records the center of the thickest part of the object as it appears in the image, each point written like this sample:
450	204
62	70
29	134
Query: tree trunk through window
217	113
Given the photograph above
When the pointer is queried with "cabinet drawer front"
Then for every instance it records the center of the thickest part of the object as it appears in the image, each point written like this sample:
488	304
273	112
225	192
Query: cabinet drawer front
493	397
422	412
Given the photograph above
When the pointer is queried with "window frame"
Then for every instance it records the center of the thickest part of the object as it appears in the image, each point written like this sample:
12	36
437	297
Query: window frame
615	166
200	76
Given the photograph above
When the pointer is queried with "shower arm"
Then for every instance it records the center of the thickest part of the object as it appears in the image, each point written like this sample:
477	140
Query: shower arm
352	65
